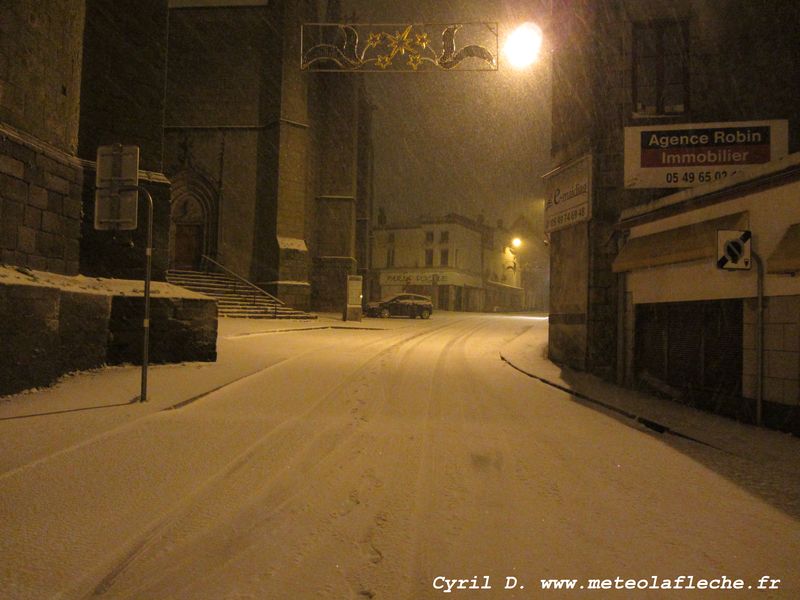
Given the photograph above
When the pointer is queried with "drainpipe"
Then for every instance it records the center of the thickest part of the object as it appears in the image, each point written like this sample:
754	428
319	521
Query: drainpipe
759	338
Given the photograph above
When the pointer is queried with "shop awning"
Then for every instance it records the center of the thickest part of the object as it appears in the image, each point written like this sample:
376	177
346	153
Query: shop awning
692	242
786	257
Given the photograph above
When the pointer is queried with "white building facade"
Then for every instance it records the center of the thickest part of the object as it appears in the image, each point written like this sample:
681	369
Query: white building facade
461	264
693	324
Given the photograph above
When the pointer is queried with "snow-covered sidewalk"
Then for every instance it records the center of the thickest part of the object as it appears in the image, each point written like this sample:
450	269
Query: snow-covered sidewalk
774	450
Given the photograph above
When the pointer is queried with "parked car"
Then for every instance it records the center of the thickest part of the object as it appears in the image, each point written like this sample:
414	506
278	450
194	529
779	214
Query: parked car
405	305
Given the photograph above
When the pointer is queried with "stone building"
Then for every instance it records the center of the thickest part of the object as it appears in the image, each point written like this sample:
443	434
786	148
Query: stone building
269	163
250	161
70	80
621	68
461	264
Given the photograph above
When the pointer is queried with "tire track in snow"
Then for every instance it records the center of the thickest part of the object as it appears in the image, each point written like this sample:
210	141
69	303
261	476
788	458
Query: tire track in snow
443	521
157	532
431	463
389	529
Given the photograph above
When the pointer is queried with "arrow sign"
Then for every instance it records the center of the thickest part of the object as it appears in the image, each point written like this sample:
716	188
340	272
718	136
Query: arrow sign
733	249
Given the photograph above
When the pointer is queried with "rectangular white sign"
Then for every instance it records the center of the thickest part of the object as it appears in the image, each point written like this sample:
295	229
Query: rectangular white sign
568	198
690	154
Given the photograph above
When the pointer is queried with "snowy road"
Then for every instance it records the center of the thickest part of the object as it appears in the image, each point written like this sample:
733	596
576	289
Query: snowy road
382	464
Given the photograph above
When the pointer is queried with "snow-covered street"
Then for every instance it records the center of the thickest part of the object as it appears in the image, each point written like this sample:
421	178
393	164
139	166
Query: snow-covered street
382	461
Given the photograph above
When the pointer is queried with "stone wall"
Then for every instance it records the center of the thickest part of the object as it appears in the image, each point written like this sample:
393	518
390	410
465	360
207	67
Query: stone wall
181	329
335	252
294	294
83	321
40	204
40	68
569	268
215	83
124	71
46	334
287	190
40	181
329	282
602	305
48	331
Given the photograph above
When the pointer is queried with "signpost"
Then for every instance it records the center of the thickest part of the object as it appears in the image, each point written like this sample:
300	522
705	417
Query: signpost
734	252
116	205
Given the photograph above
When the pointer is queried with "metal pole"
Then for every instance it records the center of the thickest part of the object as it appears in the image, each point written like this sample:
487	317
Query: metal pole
147	277
759	339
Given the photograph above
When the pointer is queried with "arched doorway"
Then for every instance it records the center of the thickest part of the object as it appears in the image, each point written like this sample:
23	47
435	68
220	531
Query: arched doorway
193	220
188	225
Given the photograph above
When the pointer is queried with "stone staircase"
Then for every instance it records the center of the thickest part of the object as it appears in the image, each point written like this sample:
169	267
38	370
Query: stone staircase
235	298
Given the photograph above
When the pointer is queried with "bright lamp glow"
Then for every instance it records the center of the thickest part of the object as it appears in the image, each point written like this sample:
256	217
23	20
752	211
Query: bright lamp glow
522	46
516	242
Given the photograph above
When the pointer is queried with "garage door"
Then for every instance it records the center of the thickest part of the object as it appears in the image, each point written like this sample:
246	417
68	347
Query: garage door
695	347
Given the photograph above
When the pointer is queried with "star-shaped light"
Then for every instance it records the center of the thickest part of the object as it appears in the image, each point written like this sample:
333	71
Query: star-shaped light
414	61
383	61
374	39
422	40
399	42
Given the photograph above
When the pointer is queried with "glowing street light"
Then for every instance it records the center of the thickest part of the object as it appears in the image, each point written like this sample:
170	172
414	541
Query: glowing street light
523	45
516	242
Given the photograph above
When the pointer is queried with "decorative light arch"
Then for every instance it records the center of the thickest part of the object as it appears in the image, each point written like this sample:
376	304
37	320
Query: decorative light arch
396	47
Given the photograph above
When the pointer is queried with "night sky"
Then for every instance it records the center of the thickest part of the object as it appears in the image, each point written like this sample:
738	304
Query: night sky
466	142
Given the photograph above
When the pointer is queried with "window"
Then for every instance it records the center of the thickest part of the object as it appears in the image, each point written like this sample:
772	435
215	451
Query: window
660	68
390	257
391	237
444	237
444	255
428	257
428	237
